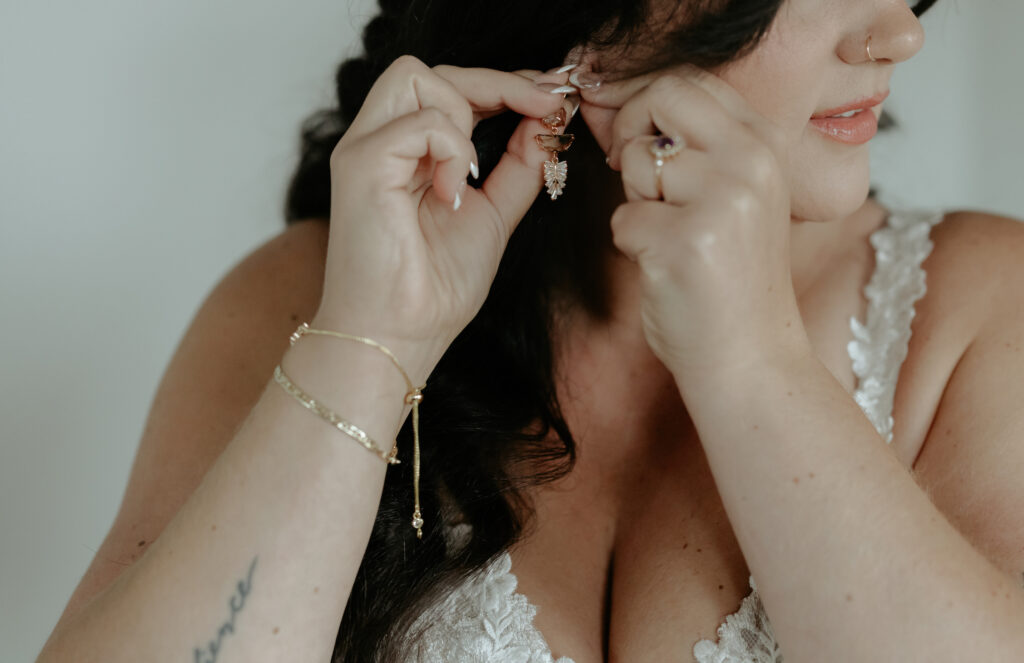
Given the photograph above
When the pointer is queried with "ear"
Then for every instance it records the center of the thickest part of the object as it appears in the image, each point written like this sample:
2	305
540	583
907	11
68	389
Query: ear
598	120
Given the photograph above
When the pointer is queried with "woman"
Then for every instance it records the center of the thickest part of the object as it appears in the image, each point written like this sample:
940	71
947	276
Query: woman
639	394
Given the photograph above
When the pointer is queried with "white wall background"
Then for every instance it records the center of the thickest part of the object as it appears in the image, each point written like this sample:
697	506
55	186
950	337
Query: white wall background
144	149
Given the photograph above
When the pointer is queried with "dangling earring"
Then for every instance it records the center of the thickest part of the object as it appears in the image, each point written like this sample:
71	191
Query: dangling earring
555	170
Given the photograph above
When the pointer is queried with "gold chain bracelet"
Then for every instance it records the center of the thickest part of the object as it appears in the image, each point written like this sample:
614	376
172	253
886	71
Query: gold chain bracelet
414	397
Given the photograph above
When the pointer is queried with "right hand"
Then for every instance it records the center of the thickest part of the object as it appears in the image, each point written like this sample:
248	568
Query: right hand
403	266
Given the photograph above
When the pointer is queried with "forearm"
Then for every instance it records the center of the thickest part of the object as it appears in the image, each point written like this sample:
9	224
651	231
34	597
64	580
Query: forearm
258	564
852	560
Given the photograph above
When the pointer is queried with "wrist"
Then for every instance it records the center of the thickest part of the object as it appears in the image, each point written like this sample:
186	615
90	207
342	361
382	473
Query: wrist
417	358
739	366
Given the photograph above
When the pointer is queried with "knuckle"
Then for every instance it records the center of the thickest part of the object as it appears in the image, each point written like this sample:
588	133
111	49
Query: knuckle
338	154
668	84
433	118
620	218
741	199
407	65
761	165
723	190
464	115
345	153
405	70
752	161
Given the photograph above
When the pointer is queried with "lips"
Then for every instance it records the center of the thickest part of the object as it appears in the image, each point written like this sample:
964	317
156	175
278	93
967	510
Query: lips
859	104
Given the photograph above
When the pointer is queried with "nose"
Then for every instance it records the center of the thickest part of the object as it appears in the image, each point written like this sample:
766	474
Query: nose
896	35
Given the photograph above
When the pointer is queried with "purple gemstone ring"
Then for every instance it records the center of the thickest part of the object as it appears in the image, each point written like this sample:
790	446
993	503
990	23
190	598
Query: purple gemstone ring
664	148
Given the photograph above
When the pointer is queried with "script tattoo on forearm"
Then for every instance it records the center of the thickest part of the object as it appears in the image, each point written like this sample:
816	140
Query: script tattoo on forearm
236	603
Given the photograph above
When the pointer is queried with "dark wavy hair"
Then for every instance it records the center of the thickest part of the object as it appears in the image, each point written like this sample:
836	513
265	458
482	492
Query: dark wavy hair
490	405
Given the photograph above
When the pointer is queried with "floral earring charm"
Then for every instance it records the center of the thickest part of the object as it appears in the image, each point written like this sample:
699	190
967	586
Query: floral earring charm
555	170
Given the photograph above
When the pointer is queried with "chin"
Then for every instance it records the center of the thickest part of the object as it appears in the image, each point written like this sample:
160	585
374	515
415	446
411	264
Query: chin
828	200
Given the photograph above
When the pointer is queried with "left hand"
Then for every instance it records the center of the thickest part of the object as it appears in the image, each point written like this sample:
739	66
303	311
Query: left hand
714	254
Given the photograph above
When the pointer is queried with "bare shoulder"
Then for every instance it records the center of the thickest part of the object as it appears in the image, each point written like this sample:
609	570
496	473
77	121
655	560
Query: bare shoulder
973	272
965	236
975	267
215	376
970	458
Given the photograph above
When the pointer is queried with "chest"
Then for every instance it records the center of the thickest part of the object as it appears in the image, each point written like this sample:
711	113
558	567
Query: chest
641	580
632	557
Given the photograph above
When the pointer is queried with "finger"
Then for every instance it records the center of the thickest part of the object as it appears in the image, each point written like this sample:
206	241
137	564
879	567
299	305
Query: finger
684	176
674	106
557	75
406	86
614	92
491	92
640	227
393	153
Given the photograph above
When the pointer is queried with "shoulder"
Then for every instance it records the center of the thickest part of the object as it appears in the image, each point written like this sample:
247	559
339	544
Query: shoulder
270	290
973	274
298	252
968	462
214	378
975	265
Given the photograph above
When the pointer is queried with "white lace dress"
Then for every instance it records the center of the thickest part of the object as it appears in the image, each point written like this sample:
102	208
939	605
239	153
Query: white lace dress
485	620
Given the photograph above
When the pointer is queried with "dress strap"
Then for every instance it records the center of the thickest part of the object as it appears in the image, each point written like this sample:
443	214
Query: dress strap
880	343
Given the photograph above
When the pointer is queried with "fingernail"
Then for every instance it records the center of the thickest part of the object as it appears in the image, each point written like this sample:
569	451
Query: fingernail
459	190
548	87
568	67
585	80
564	89
474	170
572	104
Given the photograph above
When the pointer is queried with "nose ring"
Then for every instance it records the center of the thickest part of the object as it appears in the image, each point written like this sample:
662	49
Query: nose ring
868	46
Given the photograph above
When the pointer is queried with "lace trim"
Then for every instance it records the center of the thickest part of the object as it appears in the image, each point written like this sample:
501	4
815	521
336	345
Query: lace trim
880	346
485	620
745	637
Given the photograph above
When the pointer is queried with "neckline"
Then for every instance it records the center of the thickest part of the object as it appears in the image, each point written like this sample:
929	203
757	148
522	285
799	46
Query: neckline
873	239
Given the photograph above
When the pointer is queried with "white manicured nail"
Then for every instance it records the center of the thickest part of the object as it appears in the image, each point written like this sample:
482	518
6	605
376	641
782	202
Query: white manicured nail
565	89
584	81
474	170
458	202
568	67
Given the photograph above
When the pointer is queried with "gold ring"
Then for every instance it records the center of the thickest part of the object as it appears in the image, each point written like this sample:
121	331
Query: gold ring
664	148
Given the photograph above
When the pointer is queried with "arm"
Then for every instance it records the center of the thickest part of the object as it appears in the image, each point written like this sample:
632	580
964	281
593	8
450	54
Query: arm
852	559
258	562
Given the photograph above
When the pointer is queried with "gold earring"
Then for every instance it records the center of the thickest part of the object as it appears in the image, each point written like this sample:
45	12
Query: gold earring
554	170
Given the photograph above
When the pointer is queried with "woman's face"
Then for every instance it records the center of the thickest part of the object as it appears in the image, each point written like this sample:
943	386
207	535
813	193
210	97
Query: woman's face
814	59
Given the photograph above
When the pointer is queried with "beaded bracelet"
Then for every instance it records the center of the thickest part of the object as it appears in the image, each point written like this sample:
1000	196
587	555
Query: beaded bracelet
414	397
